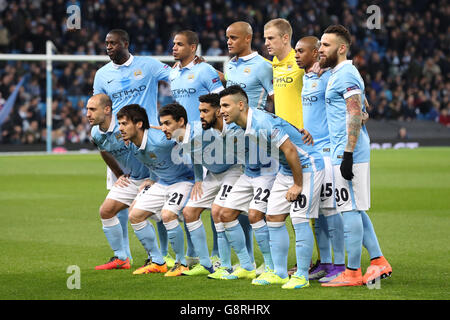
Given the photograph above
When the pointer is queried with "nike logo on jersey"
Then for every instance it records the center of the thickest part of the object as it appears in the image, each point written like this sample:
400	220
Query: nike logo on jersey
110	81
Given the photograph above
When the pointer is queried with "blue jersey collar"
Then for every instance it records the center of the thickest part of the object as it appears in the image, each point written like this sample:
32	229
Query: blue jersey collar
249	120
187	134
110	128
144	140
340	65
126	64
247	57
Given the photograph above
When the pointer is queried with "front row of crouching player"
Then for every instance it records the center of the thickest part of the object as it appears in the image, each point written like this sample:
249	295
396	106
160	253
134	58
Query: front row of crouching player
255	162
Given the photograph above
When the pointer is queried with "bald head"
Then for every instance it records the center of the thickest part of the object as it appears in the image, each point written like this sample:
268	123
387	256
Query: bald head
307	52
239	38
99	110
242	27
101	100
311	42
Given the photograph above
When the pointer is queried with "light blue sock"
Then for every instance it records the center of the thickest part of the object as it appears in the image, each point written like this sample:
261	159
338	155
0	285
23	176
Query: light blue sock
163	239
263	239
279	247
235	235
190	250
147	237
304	245
114	236
353	237
223	246
215	248
198	237
323	239
123	218
370	240
176	239
248	233
336	230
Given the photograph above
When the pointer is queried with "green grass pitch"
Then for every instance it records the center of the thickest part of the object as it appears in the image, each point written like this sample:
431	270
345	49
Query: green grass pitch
49	221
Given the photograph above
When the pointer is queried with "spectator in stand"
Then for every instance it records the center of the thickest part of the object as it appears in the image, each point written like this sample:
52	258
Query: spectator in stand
408	56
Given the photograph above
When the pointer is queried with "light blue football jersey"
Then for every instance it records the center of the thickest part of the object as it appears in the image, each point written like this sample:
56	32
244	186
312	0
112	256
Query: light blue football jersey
214	150
268	127
192	81
315	111
136	81
254	74
344	82
112	142
159	155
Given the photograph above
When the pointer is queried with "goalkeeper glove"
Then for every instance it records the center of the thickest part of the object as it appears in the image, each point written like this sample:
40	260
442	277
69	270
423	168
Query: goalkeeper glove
347	165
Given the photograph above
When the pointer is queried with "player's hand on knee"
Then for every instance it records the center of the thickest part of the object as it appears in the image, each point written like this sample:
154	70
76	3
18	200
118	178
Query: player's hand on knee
347	166
293	193
122	181
197	191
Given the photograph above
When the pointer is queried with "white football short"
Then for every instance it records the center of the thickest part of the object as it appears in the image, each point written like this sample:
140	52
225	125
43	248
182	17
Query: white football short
216	187
160	197
327	190
353	194
110	178
250	193
127	194
307	206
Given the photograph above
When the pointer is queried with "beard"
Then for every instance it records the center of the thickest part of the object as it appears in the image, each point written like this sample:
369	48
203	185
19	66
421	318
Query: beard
330	61
208	125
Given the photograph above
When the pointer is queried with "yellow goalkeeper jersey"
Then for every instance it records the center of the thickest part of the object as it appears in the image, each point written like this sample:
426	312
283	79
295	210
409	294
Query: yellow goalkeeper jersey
287	87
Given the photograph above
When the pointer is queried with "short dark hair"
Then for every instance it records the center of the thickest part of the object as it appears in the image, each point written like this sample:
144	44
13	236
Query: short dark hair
341	32
123	35
135	113
191	36
234	90
176	110
212	98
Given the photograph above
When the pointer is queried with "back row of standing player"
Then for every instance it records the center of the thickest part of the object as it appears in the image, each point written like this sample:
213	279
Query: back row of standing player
326	102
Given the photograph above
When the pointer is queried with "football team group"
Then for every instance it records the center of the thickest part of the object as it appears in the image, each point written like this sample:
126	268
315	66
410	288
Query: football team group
217	148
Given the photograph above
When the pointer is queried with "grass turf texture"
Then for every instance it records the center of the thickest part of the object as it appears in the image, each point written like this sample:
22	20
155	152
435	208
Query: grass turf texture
49	220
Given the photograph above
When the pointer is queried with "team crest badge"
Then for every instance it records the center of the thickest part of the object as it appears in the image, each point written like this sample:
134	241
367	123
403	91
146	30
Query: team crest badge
152	155
247	70
289	66
138	74
314	84
118	136
191	77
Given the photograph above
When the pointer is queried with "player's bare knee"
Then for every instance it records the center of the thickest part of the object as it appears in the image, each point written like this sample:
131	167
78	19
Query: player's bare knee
255	216
106	212
228	215
134	217
216	212
189	214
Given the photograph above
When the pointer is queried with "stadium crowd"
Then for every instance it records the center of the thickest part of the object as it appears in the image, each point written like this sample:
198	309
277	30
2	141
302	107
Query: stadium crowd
405	64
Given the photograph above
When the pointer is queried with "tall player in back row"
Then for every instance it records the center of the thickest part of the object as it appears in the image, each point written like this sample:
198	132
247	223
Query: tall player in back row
189	79
128	79
329	227
253	74
350	154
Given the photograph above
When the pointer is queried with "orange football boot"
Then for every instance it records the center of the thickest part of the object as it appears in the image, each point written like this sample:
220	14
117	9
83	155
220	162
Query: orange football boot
177	270
379	268
348	278
151	267
115	263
